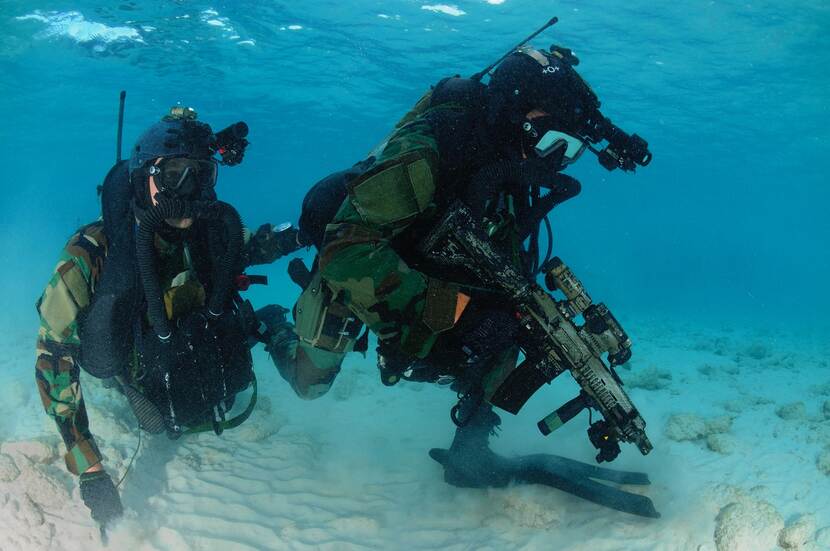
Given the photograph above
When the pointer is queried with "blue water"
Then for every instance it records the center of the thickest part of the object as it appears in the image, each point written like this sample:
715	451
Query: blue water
729	223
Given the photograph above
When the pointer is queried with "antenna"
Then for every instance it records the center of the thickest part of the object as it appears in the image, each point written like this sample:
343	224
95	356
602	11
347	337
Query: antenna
122	99
478	76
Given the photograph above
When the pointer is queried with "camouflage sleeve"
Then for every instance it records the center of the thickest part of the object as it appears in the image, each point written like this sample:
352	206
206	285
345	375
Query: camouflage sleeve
56	368
357	259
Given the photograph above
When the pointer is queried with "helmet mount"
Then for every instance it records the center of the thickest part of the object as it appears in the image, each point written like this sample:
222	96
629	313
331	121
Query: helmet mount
526	79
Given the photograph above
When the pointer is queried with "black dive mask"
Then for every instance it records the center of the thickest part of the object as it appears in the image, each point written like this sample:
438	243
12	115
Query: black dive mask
542	136
183	177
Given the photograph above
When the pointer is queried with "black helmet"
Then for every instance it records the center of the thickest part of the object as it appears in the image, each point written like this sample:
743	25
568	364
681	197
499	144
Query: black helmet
531	79
178	134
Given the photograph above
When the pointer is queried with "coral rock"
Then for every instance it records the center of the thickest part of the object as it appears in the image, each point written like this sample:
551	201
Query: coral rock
796	534
792	412
650	378
720	424
721	443
747	525
685	426
757	351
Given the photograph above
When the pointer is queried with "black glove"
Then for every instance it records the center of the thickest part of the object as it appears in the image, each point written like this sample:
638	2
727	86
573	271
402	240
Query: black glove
268	244
392	362
101	496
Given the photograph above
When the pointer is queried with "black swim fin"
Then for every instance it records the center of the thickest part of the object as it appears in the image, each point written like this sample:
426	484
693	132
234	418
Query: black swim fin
470	463
567	475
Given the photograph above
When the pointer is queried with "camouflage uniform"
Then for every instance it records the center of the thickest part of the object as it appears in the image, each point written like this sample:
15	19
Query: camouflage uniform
67	294
362	273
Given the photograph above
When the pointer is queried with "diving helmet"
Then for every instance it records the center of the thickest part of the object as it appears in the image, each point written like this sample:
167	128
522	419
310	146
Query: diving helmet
544	81
178	152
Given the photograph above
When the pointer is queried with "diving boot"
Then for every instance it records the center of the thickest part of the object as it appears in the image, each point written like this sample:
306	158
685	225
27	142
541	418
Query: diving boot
470	463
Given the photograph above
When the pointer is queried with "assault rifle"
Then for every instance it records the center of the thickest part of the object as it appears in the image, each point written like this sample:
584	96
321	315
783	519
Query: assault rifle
552	340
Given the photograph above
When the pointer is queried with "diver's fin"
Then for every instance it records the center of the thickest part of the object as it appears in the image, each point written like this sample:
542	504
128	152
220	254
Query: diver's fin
575	478
587	470
148	415
567	475
440	455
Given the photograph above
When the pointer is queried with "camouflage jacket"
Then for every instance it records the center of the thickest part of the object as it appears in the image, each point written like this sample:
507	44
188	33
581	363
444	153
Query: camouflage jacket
358	260
362	271
68	293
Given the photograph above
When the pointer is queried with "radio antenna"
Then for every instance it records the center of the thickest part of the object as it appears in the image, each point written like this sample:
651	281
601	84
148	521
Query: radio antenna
478	76
122	99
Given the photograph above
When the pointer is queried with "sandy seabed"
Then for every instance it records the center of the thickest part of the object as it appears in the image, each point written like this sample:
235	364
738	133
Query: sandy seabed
739	418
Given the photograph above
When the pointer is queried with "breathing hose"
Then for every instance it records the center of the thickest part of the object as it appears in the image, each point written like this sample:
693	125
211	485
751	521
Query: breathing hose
522	175
152	219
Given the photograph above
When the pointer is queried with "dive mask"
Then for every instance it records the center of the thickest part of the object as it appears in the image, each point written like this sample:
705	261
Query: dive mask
544	139
184	177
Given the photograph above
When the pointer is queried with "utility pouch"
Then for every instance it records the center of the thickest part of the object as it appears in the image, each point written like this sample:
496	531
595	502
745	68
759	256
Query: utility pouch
394	191
323	321
180	300
441	306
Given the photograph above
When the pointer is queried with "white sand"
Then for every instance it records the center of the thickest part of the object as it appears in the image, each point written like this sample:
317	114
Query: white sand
351	470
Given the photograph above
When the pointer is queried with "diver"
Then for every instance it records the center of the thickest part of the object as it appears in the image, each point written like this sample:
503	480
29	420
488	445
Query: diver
147	299
500	148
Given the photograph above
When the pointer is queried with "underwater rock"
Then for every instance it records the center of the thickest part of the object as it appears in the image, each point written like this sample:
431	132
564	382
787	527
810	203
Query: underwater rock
825	409
650	378
797	533
710	371
740	405
823	461
822	389
747	525
819	433
35	450
685	426
688	426
720	346
8	470
757	351
715	425
792	412
721	443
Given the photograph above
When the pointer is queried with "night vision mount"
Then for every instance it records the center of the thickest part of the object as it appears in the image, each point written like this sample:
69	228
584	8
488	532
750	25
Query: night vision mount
621	150
229	143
